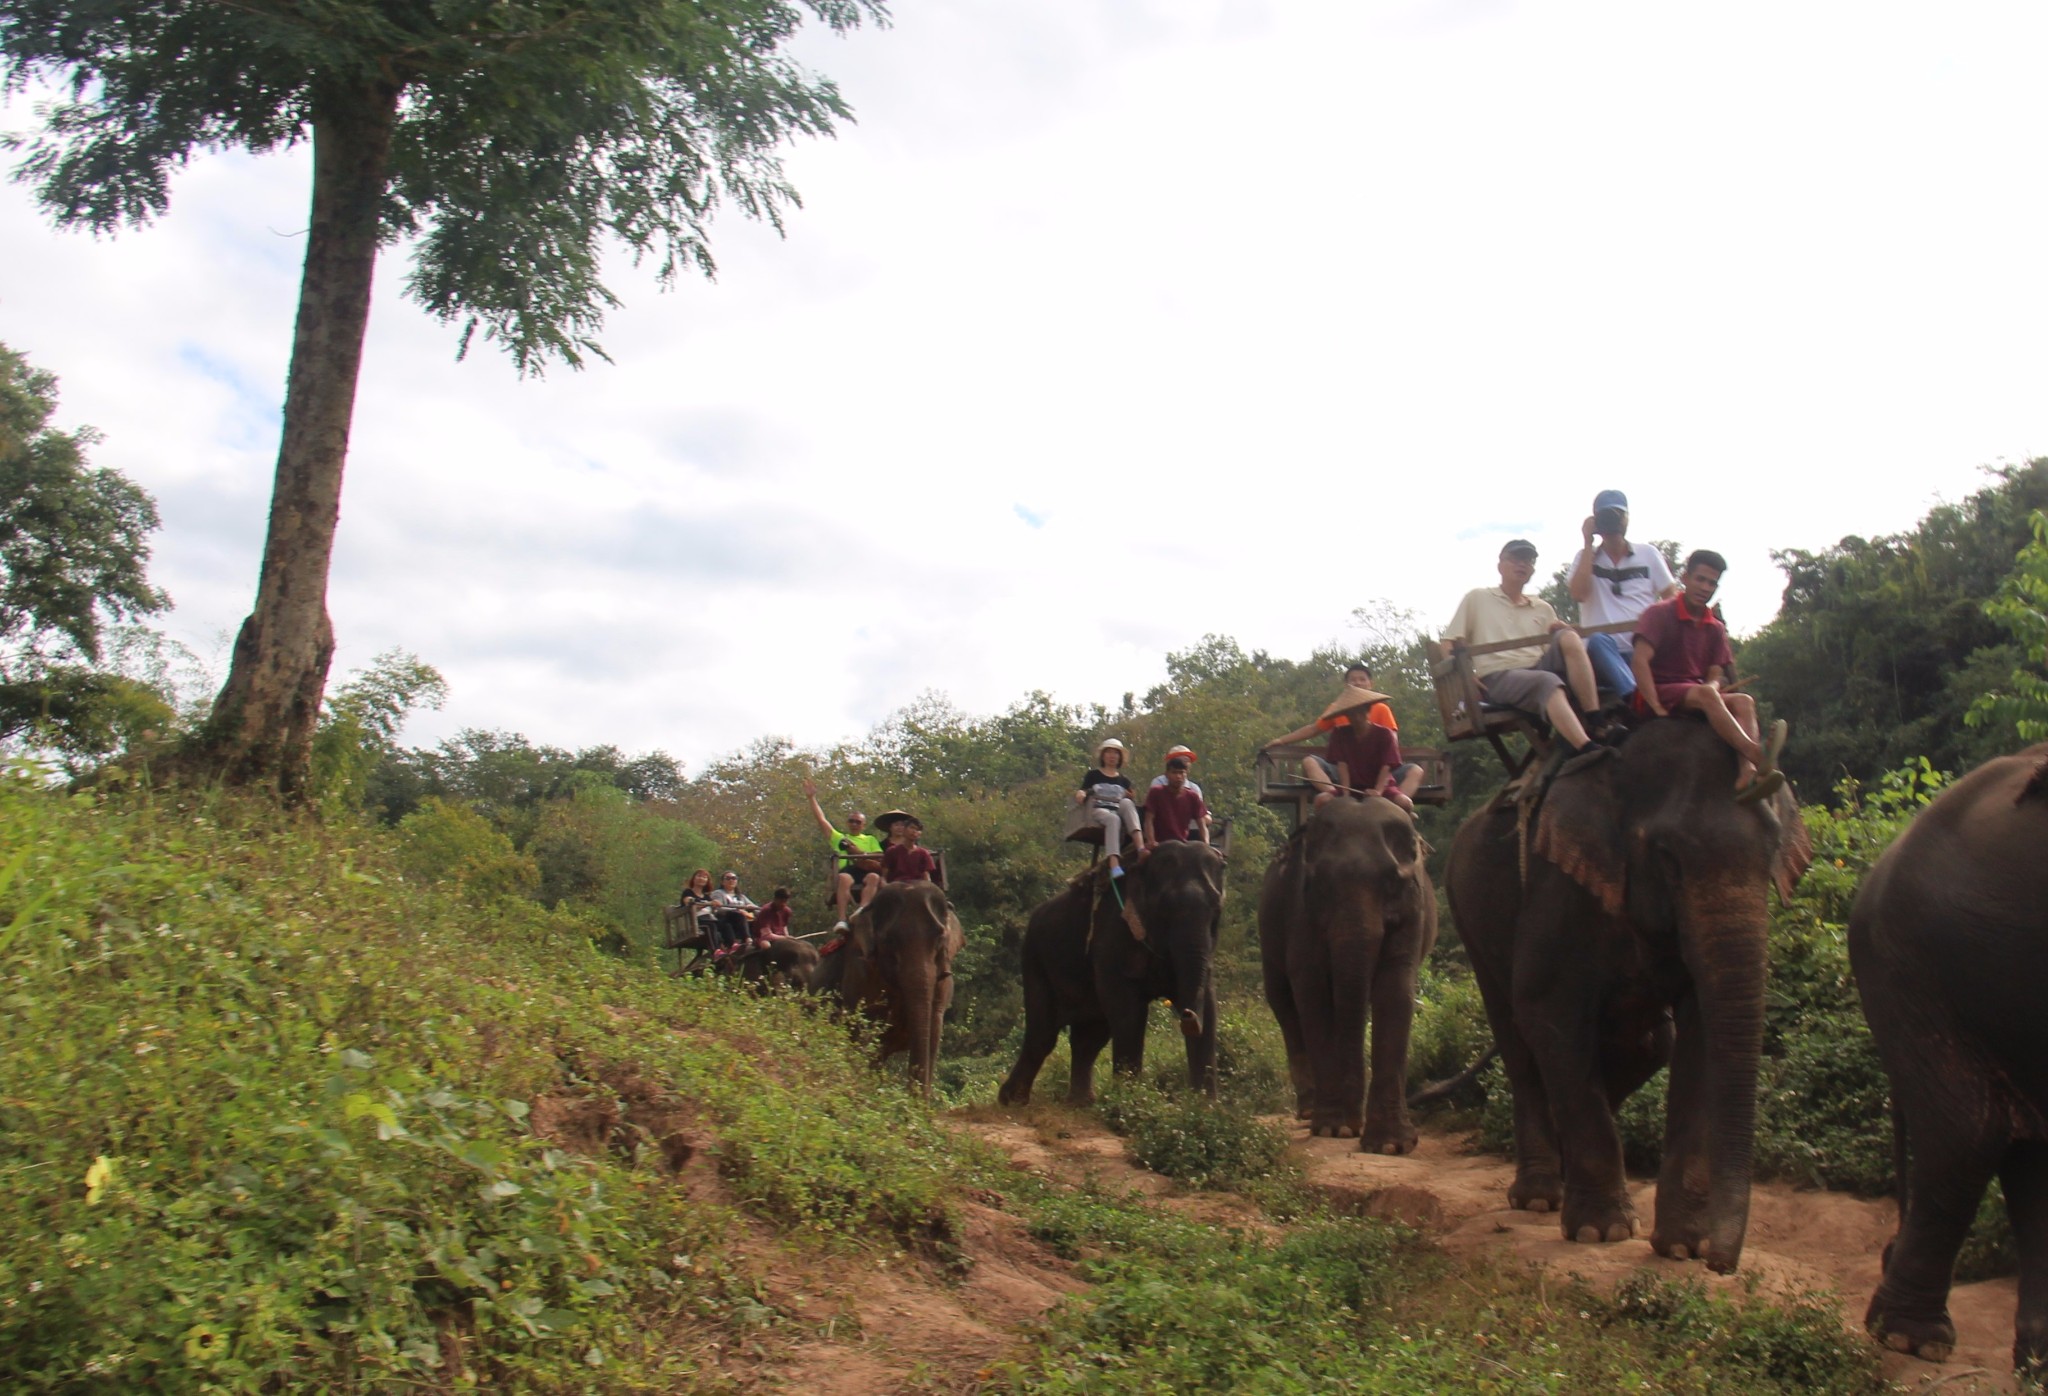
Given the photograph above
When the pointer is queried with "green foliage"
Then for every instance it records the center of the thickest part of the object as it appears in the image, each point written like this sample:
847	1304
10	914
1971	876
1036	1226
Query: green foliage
1883	645
441	841
268	1118
526	133
1355	1306
1203	1143
74	553
618	859
2021	606
359	730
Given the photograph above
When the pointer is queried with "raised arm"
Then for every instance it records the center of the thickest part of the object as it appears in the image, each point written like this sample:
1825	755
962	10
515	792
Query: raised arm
817	811
1581	583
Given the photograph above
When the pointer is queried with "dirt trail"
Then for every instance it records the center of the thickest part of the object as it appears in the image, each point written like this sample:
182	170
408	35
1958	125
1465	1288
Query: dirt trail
1797	1240
900	1327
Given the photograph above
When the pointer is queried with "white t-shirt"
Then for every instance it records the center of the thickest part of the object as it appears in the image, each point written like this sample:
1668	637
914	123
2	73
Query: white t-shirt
1623	590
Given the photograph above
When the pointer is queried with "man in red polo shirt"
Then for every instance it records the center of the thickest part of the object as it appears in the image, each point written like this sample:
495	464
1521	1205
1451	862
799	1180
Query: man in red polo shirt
1175	812
1682	655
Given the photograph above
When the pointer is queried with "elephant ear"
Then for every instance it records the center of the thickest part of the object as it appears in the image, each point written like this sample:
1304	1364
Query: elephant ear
1579	830
1405	852
1794	854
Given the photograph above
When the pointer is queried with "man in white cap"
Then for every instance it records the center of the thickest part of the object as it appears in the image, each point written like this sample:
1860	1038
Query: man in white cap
1614	583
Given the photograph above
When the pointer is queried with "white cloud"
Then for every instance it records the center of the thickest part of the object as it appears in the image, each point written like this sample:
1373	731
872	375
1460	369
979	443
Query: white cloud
1112	325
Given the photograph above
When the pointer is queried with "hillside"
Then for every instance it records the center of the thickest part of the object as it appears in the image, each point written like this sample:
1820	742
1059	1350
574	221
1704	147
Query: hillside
277	1115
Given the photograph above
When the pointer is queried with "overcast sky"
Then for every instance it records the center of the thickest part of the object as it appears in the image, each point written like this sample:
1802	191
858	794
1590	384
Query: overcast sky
1117	322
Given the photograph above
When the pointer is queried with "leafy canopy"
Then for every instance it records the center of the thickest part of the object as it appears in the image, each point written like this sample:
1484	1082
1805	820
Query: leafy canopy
2021	606
528	132
74	554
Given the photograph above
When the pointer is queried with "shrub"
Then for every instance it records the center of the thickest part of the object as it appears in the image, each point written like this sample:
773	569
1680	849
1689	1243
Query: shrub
1203	1143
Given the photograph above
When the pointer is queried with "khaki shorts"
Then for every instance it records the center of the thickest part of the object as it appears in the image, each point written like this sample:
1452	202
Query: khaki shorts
1527	689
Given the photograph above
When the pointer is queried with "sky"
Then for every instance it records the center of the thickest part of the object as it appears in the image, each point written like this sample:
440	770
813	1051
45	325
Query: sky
1111	324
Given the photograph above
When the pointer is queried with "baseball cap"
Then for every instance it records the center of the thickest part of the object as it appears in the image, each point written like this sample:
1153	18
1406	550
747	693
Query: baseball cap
1610	499
1518	547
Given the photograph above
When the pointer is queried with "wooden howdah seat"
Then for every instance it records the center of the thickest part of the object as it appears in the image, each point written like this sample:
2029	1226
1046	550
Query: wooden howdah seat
1281	785
1080	828
938	870
1466	715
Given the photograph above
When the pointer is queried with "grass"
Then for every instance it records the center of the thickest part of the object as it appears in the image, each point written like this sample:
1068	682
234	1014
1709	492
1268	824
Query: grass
277	1113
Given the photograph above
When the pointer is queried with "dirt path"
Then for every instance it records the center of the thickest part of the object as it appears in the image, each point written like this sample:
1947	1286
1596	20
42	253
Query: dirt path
1797	1240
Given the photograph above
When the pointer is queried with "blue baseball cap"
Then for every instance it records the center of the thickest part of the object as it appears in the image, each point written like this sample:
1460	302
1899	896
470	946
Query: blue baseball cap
1610	499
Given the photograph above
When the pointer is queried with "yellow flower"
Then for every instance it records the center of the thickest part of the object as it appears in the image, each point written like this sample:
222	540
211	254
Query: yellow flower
97	1177
204	1342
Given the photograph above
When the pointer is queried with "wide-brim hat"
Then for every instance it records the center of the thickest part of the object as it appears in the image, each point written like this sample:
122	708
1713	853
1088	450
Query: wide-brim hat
1112	744
889	819
1352	699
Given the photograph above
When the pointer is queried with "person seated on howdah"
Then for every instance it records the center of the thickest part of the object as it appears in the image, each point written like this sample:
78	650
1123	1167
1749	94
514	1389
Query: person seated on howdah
1541	678
1681	657
1406	776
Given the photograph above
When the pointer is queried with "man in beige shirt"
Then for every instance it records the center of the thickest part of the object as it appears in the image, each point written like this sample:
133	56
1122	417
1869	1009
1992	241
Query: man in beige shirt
1533	677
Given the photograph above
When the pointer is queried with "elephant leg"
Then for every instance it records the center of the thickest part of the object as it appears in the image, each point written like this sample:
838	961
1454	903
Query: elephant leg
1539	1176
1388	1130
1041	1035
1085	1041
1949	1162
1556	1003
1280	998
2025	1175
1681	1226
1126	1032
1336	1020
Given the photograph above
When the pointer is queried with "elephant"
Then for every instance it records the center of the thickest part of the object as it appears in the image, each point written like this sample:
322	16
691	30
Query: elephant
1347	914
1619	925
896	966
784	960
1085	971
1948	938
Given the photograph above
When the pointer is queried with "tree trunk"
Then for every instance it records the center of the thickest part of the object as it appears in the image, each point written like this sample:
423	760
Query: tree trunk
261	727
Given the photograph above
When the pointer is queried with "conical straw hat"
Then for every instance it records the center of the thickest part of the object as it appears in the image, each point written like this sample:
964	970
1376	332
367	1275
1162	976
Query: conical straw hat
1352	699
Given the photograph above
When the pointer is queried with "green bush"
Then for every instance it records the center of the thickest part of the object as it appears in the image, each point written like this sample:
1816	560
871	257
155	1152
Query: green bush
1203	1143
1451	1031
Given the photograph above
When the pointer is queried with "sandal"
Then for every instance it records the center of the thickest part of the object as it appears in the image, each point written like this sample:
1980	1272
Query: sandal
1773	744
1765	785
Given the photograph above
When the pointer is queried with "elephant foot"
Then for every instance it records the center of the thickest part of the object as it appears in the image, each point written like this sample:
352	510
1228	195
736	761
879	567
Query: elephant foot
1930	1340
1008	1094
1335	1127
1382	1139
1598	1220
1536	1190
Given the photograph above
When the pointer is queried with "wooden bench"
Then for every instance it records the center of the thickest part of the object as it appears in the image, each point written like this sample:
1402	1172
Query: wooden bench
1281	785
832	870
1081	827
1465	712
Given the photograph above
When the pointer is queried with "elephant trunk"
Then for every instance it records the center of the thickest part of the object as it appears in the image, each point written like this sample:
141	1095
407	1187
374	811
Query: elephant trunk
919	989
1726	945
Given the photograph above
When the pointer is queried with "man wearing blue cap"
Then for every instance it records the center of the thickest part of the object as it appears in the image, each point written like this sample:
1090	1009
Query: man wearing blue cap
1614	583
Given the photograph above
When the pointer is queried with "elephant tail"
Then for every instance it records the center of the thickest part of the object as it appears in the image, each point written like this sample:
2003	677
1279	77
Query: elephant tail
1900	1157
1439	1090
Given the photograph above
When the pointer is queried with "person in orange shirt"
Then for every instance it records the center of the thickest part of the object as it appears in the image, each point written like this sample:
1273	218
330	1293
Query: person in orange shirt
1406	777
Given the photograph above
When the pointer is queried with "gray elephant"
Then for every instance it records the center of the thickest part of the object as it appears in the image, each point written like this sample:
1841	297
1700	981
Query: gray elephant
896	966
1346	916
1085	971
1949	941
1621	928
784	961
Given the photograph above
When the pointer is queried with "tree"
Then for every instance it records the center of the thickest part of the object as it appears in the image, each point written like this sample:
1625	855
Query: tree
2021	606
510	138
74	555
1883	644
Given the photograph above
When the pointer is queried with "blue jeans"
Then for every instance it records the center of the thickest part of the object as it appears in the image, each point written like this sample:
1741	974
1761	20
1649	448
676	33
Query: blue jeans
1611	671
